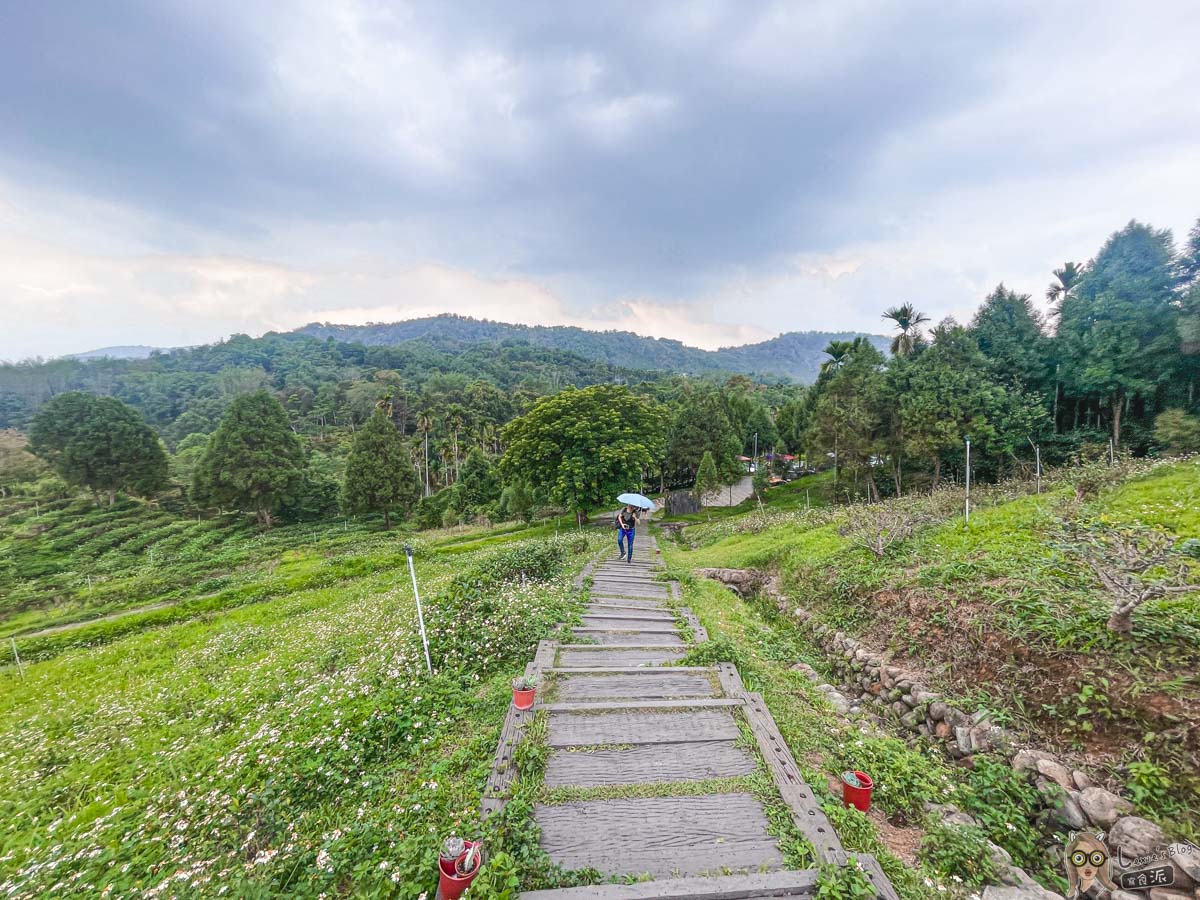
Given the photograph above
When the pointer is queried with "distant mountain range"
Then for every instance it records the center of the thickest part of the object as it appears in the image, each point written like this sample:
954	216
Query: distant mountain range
135	351
796	354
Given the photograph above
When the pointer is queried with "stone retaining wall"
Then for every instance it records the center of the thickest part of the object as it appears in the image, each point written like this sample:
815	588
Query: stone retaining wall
1071	800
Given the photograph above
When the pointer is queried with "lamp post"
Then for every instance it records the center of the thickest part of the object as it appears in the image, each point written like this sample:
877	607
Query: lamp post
967	504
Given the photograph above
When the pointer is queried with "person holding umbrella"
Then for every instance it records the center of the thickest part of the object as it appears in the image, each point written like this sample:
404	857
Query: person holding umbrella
627	522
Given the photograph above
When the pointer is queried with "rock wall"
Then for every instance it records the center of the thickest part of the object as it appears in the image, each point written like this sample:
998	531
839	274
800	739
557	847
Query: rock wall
1071	800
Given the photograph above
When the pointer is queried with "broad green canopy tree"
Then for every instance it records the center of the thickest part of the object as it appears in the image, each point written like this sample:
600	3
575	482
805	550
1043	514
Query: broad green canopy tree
949	395
253	460
1118	329
583	447
848	413
379	472
1008	329
702	425
99	443
478	478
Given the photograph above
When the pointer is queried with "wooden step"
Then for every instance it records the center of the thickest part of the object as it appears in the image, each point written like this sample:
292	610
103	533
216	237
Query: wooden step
589	656
615	609
644	703
628	616
628	602
652	671
649	764
630	592
630	619
576	729
800	883
672	684
660	836
665	637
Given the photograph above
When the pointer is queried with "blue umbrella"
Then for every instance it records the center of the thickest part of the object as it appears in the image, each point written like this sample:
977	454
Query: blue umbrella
636	500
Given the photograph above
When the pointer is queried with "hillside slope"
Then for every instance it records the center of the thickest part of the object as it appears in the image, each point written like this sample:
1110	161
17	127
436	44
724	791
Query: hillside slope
795	355
988	612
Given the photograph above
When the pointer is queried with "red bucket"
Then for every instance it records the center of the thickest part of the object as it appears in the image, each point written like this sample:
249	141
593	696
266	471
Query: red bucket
524	699
451	886
858	797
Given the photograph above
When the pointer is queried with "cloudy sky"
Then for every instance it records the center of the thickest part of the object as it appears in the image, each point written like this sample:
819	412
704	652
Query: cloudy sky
717	172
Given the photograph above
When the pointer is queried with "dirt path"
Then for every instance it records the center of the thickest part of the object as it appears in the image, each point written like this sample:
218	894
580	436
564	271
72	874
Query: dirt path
731	496
83	623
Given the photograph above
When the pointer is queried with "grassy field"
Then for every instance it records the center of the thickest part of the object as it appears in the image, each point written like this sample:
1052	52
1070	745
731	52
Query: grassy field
270	729
1001	616
71	562
293	746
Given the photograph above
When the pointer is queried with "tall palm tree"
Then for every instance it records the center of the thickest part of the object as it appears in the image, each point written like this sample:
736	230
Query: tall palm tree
907	319
1065	280
838	352
425	425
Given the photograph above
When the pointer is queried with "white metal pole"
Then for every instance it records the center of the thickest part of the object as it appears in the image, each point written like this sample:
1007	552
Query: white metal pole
967	506
420	614
1037	452
17	657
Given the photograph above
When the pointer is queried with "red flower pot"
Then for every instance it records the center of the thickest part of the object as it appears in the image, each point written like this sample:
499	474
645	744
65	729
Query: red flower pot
523	699
858	797
451	885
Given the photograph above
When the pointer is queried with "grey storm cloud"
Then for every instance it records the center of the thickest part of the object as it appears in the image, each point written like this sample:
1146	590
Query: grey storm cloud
708	170
743	127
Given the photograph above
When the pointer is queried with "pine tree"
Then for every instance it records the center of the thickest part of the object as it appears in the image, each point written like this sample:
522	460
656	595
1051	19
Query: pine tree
99	443
707	478
379	473
253	460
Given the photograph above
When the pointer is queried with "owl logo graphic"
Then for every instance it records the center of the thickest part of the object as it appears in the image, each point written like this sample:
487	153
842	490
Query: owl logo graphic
1087	863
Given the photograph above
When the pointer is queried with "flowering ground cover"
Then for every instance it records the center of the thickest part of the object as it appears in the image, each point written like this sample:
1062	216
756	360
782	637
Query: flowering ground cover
1003	616
292	746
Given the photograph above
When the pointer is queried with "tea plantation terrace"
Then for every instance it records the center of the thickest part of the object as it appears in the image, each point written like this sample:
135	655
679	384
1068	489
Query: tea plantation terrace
634	735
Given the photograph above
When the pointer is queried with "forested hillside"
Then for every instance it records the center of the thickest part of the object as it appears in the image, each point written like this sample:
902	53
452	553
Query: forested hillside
796	355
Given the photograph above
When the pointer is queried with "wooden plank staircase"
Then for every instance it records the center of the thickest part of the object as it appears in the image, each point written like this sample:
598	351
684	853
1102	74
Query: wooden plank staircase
624	716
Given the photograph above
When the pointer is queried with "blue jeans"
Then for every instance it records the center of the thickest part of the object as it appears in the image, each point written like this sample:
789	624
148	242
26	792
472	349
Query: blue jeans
623	535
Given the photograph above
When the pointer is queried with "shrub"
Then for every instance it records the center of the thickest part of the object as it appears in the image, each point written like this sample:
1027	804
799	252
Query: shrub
962	851
1177	433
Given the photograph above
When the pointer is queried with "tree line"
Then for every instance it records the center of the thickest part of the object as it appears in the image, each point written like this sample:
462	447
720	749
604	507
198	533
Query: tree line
290	427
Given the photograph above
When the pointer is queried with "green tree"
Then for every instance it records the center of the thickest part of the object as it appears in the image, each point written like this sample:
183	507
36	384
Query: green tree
17	464
908	320
99	443
481	485
253	460
707	479
379	473
700	425
516	502
848	413
186	457
949	395
1189	258
1065	280
1176	432
1009	332
583	447
1117	332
